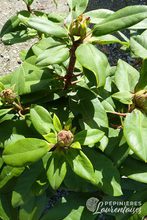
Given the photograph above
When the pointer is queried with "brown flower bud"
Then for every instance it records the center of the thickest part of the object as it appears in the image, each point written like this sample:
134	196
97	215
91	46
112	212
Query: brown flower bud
140	100
65	138
8	96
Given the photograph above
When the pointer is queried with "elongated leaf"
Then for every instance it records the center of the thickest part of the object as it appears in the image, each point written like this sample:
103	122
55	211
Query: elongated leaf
88	105
57	123
25	151
25	83
41	119
10	25
76	145
89	137
80	164
17	37
139	46
45	26
4	111
6	210
126	77
106	174
44	44
51	137
28	2
24	183
54	55
79	6
3	213
142	84
98	15
124	97
141	25
135	130
18	80
71	207
107	39
33	208
94	60
121	19
8	173
56	169
134	169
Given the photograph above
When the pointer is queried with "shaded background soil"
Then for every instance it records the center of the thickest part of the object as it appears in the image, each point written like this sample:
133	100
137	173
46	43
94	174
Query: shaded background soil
9	55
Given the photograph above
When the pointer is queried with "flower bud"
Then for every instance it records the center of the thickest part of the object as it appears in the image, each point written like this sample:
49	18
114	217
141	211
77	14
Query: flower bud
65	138
140	100
79	27
8	96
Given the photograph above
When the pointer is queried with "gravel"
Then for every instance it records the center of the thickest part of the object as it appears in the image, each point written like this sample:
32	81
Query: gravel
9	55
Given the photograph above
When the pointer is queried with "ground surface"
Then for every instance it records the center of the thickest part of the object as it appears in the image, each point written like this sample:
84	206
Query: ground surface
9	55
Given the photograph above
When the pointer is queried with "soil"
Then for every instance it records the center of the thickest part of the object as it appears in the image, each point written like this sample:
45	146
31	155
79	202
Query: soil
9	55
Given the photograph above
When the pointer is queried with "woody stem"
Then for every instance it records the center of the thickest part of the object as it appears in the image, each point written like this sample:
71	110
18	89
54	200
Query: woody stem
72	61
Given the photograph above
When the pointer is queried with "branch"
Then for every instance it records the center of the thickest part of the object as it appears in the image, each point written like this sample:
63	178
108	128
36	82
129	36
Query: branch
119	113
72	61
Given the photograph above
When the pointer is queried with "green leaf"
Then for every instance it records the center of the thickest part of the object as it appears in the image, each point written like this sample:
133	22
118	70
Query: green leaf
57	123
89	137
10	25
44	44
141	214
79	6
141	25
2	87
18	80
25	151
71	207
134	169
56	169
1	162
135	130
121	19
28	2
25	83
51	137
90	108
98	15
54	55
107	39
142	84
126	77
80	164
24	183
4	111
138	46
46	26
41	119
107	176
8	173
124	97
94	61
18	37
6	210
33	208
76	145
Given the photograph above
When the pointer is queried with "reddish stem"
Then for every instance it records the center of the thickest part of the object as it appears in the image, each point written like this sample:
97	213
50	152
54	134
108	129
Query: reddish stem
29	8
72	61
